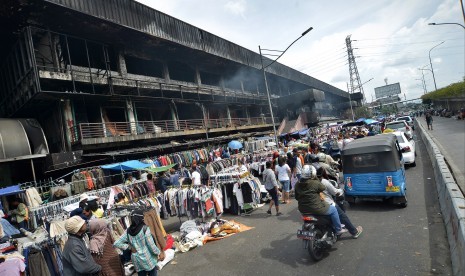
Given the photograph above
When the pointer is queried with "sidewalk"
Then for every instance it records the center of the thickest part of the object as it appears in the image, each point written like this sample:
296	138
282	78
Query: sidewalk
449	136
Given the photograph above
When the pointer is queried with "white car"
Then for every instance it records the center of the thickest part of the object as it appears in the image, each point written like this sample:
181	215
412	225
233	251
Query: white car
408	119
408	148
400	126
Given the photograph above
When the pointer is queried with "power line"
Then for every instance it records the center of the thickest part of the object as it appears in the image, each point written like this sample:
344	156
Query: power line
402	37
324	66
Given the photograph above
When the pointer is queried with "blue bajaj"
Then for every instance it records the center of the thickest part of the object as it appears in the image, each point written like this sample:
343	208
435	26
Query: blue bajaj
373	169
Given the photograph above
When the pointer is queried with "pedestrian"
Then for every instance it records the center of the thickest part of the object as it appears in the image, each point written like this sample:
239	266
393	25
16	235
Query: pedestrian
130	179
284	176
196	181
139	240
271	185
174	178
20	213
429	120
163	182
101	248
76	258
150	184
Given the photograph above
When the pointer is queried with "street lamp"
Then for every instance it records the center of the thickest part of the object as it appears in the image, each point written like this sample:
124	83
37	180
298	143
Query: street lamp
435	24
431	64
266	82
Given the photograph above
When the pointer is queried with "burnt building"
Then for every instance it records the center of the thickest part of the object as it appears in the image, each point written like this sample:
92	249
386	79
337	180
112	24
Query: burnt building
107	78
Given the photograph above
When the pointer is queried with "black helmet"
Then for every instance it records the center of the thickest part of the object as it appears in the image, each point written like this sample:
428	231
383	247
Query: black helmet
314	158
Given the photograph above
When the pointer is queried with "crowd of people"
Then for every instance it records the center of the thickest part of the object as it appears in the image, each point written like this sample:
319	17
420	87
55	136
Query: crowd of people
313	177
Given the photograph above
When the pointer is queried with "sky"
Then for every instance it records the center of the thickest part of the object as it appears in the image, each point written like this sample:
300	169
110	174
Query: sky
391	38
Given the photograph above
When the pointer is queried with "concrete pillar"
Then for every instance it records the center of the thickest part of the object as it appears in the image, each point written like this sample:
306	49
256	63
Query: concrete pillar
103	121
122	64
228	113
247	113
70	124
174	114
131	117
198	80
166	72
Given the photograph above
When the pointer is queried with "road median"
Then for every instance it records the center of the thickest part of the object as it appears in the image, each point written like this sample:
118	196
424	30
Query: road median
451	200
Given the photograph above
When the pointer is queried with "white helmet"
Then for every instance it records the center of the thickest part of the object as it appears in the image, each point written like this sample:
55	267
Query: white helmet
308	172
322	157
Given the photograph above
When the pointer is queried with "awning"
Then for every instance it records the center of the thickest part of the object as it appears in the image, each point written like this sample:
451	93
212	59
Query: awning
10	190
160	169
371	121
127	166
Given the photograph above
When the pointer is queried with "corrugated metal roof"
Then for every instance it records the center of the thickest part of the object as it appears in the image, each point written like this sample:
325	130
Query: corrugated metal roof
142	18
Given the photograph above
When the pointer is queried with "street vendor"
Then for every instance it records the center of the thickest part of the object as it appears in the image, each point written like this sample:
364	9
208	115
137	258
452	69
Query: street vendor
20	213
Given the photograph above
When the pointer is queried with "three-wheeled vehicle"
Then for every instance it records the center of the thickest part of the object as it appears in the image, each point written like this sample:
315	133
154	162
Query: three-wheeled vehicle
373	169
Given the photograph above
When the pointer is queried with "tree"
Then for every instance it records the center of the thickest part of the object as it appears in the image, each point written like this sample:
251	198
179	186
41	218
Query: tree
362	112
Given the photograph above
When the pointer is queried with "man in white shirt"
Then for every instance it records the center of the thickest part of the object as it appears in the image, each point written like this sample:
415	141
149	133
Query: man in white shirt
195	176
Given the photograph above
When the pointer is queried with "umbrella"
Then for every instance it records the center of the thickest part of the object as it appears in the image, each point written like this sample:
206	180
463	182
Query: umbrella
270	144
234	144
360	120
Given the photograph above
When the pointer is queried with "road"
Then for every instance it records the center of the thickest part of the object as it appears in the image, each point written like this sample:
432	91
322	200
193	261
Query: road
395	241
449	135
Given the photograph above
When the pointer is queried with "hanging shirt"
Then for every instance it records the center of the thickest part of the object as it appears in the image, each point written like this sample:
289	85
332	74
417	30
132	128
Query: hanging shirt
12	267
238	192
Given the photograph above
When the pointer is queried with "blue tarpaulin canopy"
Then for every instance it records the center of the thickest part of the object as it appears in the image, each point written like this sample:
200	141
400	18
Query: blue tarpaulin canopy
10	190
127	166
371	121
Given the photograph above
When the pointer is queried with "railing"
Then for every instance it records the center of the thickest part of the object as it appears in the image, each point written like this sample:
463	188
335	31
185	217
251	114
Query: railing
115	129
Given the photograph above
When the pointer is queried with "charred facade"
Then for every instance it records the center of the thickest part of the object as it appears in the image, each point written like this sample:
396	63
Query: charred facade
101	76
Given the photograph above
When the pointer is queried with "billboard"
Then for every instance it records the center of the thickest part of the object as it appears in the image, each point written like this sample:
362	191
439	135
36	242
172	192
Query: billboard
387	90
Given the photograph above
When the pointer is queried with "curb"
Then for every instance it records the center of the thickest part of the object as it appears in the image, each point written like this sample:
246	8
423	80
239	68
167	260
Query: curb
451	200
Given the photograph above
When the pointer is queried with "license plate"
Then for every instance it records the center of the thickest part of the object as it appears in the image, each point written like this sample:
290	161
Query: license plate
393	189
306	235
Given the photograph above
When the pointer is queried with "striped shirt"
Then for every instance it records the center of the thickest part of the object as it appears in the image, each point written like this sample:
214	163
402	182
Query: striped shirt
146	257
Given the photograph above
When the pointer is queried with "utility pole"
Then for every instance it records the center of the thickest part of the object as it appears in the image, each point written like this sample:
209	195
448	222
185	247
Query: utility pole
350	102
355	82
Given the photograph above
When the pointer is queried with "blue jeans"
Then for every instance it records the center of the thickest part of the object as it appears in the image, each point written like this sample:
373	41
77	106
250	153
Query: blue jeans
152	272
286	185
332	211
346	221
298	175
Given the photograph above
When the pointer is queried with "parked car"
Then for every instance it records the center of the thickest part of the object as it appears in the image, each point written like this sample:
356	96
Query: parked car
408	119
400	126
407	147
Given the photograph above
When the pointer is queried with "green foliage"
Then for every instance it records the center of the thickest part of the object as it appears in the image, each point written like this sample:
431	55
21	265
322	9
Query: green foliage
451	91
362	112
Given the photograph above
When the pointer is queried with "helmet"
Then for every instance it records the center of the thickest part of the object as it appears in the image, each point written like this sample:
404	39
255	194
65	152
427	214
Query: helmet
313	158
308	171
322	157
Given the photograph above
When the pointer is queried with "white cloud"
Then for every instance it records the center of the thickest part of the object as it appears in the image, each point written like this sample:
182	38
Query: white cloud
393	36
236	7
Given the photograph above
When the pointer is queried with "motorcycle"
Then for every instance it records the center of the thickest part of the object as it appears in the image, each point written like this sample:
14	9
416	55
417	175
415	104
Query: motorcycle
317	234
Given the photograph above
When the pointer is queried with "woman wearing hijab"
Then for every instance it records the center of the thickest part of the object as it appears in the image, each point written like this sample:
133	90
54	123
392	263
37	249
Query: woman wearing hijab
102	250
139	239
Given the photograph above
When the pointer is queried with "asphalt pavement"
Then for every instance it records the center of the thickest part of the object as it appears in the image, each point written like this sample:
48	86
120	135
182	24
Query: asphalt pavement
395	241
449	135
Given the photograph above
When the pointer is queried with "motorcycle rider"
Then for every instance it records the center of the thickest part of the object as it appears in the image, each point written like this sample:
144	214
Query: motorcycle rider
323	158
331	192
310	198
